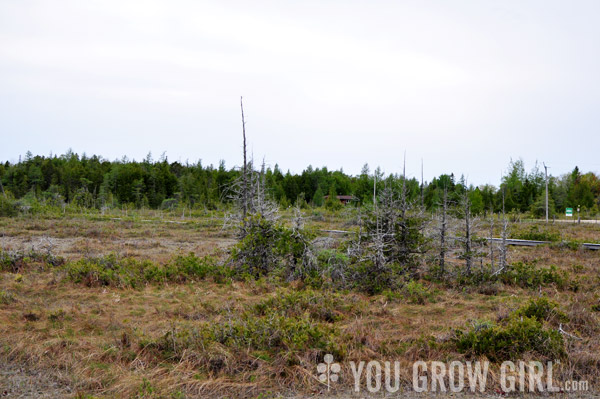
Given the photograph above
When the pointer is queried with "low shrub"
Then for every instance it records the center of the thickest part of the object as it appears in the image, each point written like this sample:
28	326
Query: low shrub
521	332
8	207
333	269
364	276
417	293
276	332
517	336
270	249
273	335
528	276
536	234
319	305
110	270
19	261
573	245
542	309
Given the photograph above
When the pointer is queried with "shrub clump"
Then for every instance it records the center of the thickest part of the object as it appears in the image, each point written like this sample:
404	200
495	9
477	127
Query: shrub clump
534	233
276	332
542	309
110	270
271	336
417	293
318	305
8	207
522	332
510	340
368	276
528	276
18	261
270	249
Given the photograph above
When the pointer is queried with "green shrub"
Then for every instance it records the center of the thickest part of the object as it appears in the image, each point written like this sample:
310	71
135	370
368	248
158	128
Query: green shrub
258	253
542	309
111	270
192	267
573	245
276	332
270	249
364	276
417	293
319	305
332	268
534	233
528	276
509	341
8	207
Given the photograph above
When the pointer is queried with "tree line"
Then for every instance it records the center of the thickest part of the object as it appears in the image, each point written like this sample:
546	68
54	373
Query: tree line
92	181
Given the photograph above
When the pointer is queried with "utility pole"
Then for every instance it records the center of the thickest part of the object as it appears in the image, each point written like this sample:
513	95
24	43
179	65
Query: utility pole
546	170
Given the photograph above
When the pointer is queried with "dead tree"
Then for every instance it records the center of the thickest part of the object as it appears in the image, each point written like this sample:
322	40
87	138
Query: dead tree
255	216
244	167
468	239
303	260
411	242
394	231
492	260
443	232
503	247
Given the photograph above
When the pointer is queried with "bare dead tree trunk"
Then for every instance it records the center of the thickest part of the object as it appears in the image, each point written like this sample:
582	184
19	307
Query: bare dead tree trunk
503	250
403	199
443	230
468	234
360	230
244	169
492	260
403	210
422	186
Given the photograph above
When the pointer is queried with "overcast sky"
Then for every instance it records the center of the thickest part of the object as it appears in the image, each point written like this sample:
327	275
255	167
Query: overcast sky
465	85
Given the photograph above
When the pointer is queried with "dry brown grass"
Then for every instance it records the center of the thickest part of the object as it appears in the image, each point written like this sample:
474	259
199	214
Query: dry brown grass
97	337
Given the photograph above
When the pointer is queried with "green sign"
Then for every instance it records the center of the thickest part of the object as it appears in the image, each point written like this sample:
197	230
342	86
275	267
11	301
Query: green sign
569	212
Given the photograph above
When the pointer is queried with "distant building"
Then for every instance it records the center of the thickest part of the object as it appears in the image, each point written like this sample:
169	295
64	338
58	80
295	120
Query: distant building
344	199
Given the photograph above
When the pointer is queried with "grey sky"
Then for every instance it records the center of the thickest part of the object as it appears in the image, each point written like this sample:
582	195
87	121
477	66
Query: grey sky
465	85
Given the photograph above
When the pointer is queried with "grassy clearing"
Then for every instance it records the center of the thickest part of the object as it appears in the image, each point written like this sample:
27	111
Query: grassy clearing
118	323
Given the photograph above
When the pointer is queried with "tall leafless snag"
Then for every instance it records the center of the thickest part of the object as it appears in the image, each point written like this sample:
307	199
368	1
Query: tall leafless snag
503	247
443	231
255	217
468	240
265	245
468	243
244	167
411	242
491	240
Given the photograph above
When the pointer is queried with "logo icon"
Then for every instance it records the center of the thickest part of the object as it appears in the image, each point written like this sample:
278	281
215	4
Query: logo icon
328	371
